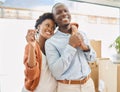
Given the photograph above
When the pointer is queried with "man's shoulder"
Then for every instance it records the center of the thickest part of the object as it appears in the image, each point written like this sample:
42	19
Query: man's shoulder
52	38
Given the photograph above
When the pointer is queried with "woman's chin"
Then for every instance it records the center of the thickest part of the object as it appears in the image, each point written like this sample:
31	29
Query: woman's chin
47	37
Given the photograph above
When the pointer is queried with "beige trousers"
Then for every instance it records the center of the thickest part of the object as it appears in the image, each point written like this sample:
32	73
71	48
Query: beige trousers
87	87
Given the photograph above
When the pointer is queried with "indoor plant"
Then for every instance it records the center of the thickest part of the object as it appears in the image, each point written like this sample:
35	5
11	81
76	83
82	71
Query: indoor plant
116	45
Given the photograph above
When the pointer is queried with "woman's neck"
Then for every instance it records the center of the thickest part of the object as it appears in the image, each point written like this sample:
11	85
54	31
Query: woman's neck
42	43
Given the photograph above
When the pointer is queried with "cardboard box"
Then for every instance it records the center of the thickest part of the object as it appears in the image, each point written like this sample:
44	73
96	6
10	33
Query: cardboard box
94	74
109	73
96	44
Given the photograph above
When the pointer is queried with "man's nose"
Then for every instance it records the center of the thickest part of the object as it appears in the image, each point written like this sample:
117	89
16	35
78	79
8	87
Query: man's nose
64	13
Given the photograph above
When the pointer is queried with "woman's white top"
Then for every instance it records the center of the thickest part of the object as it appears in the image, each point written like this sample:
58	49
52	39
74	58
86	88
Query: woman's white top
47	83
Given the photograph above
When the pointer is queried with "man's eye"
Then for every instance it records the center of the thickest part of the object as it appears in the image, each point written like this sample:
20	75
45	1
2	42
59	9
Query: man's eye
58	12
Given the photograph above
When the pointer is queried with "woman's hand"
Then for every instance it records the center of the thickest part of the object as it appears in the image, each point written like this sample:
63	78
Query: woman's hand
30	37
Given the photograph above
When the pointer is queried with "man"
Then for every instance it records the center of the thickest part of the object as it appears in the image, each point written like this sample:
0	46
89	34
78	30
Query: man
68	54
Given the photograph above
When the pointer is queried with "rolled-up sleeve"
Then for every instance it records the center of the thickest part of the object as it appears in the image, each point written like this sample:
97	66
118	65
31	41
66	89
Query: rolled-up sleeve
91	54
31	73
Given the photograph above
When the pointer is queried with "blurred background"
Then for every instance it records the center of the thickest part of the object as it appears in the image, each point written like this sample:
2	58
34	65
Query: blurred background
100	20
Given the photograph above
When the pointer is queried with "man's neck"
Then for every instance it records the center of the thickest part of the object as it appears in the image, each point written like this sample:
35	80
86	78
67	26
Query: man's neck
65	29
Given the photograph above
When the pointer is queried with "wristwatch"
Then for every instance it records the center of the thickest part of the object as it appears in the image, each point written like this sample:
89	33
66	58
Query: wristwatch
87	49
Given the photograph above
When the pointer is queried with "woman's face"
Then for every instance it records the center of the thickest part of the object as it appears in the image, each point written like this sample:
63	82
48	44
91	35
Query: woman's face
46	28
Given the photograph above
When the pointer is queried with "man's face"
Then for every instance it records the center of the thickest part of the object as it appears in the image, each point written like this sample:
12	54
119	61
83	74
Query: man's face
61	15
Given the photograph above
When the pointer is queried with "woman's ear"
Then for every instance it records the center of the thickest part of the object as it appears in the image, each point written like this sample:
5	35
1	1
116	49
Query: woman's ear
37	34
38	27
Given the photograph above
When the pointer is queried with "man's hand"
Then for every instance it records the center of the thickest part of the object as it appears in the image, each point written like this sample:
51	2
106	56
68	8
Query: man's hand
75	40
74	28
82	45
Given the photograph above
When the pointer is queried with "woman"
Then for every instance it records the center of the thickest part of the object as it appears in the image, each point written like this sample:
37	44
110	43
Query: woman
38	78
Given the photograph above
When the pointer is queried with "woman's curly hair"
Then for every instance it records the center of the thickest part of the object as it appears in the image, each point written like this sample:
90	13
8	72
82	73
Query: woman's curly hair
44	17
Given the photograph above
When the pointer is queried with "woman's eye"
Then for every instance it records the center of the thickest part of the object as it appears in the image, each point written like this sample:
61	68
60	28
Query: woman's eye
47	25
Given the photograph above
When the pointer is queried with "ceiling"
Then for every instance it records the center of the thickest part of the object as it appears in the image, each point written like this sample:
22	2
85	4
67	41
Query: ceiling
29	3
113	3
38	3
26	3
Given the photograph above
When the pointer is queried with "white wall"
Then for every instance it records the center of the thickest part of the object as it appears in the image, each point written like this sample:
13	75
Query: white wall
12	43
106	32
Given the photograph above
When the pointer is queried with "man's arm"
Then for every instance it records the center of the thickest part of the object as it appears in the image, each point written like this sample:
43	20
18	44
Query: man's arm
89	51
84	43
58	64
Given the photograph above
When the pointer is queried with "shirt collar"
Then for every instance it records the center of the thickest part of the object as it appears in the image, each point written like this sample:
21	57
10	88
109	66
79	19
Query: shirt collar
62	33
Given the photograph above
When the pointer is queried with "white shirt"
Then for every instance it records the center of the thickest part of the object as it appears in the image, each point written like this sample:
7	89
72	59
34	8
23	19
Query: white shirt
47	82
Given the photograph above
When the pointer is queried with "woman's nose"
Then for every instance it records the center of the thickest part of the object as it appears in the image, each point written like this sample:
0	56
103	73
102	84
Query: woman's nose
50	29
